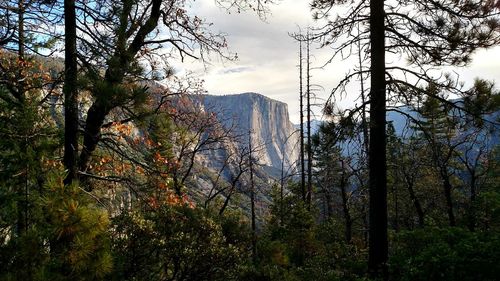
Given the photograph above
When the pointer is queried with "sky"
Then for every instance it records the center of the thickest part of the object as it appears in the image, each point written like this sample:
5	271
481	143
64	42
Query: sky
268	57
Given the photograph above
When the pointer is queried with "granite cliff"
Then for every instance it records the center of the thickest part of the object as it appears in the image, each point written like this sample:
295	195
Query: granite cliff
267	119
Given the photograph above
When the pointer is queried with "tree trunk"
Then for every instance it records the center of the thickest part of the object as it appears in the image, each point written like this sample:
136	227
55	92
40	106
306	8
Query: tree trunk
252	201
378	244
472	208
114	76
234	182
328	203
302	154
226	202
95	118
309	148
416	202
449	202
70	93
22	204
345	208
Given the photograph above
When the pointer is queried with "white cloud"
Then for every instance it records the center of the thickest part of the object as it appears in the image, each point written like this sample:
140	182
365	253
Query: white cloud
268	56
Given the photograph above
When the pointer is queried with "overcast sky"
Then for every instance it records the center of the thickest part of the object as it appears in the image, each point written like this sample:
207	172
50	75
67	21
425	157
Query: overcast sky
268	56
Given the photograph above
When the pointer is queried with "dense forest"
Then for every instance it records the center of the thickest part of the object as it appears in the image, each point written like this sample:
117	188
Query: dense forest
101	141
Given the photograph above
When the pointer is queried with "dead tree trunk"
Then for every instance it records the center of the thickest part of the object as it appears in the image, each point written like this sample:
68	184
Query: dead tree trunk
302	154
308	100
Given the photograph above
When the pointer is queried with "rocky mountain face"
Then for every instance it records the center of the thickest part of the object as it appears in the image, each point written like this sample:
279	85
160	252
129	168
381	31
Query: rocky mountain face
266	119
225	171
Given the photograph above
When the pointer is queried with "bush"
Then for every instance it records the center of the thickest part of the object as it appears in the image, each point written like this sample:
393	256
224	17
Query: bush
445	254
176	242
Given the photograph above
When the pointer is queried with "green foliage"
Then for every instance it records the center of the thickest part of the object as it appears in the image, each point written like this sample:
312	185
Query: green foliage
480	99
437	125
488	216
47	231
294	246
445	254
177	243
66	238
77	232
292	223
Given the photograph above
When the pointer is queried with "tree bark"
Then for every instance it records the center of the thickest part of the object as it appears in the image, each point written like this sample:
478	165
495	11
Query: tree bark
95	118
378	244
70	93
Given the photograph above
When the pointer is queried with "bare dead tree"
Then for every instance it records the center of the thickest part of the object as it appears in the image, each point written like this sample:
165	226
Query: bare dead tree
302	154
238	168
308	113
198	129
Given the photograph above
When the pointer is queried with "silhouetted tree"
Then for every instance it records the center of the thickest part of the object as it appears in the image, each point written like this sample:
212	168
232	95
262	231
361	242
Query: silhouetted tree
427	33
70	91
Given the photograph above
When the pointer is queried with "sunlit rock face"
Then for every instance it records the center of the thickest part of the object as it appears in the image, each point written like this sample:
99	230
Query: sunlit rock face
266	119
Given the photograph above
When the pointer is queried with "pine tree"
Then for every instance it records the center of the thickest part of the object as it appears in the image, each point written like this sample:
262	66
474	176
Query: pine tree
333	174
438	128
428	34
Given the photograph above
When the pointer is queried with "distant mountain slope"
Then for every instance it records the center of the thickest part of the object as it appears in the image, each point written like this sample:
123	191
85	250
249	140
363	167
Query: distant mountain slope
314	126
403	128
